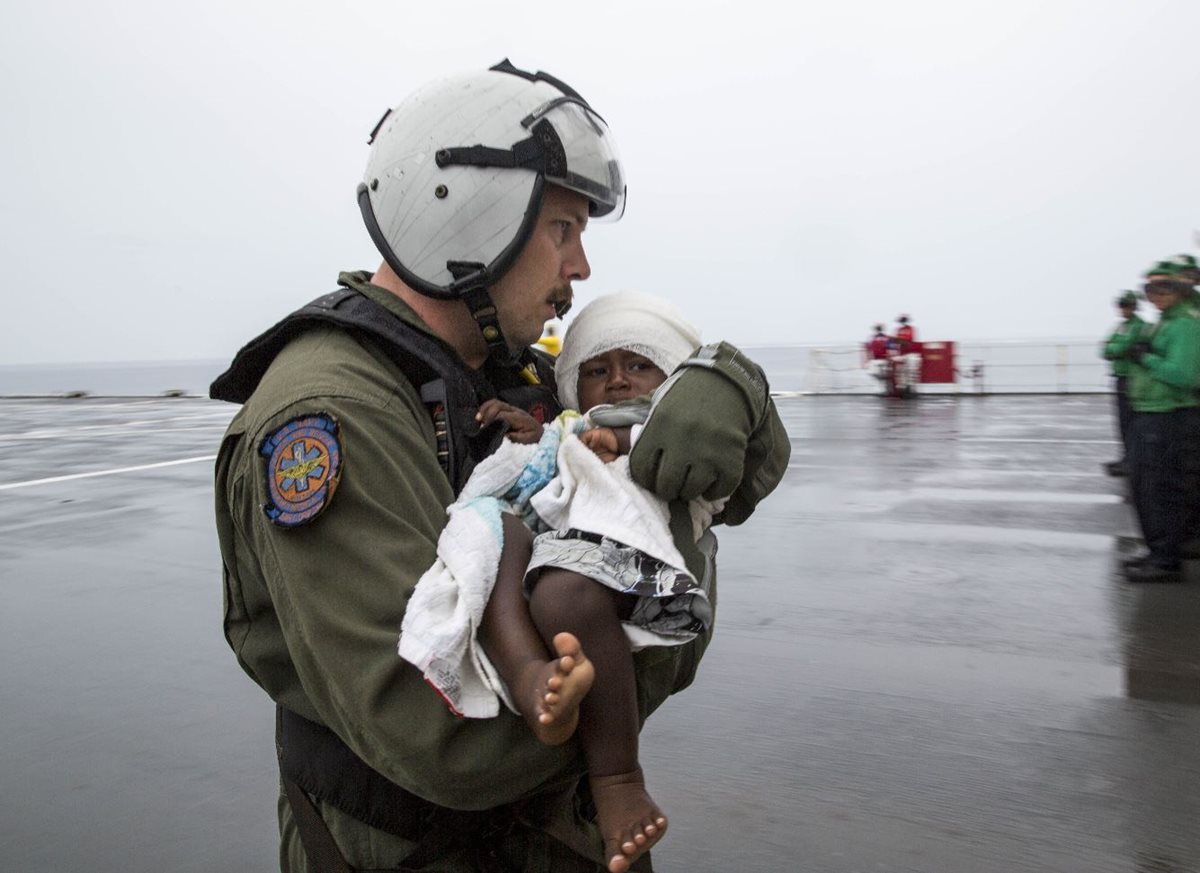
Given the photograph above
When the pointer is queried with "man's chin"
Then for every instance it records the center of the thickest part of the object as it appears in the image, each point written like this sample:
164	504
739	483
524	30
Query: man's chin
518	346
533	338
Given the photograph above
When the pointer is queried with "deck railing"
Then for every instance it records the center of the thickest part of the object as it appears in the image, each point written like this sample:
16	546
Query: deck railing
1071	366
993	366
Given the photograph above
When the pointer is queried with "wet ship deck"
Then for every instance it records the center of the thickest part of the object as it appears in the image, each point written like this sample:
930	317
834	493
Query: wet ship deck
925	659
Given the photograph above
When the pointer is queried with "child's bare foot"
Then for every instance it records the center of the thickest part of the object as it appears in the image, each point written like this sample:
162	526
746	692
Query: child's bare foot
629	819
549	692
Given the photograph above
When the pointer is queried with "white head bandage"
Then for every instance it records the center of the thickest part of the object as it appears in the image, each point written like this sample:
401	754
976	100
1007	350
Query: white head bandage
640	323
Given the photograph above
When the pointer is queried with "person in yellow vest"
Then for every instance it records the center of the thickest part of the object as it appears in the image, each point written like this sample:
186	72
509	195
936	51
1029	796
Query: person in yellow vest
551	341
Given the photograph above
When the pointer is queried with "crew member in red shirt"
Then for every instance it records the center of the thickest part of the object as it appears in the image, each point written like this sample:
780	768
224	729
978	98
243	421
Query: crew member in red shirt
877	352
877	346
909	363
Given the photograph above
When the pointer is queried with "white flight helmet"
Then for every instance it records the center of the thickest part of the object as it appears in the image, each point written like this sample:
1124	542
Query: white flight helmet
456	173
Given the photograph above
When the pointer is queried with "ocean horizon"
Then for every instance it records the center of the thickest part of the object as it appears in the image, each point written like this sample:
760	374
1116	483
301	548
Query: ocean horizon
985	366
111	379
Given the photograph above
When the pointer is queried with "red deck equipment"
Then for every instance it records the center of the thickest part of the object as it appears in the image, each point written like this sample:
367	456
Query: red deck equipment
937	362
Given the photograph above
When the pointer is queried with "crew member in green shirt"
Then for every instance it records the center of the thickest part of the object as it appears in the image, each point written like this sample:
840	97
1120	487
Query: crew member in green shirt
1165	431
1125	335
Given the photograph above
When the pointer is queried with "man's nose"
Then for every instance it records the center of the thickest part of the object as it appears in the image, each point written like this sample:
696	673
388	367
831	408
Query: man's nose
576	267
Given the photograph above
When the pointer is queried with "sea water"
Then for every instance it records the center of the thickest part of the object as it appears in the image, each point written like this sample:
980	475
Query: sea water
995	366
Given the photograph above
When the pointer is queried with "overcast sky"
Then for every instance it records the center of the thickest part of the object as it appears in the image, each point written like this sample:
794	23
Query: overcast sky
177	176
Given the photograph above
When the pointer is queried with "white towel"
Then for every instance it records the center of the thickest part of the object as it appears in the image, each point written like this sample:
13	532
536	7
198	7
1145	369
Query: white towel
588	494
559	483
443	615
441	621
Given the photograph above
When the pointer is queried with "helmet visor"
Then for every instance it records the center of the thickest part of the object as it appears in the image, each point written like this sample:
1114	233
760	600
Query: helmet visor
593	167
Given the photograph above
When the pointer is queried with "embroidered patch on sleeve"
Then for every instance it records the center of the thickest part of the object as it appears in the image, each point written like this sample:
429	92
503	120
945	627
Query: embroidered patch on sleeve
304	464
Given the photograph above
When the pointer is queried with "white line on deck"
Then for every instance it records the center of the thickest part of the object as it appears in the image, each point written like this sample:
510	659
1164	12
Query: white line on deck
191	422
101	433
969	473
1031	440
998	496
10	485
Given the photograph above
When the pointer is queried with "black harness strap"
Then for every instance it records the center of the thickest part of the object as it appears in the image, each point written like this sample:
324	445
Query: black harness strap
320	850
314	760
432	366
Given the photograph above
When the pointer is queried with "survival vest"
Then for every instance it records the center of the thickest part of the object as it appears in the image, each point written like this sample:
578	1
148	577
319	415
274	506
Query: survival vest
450	390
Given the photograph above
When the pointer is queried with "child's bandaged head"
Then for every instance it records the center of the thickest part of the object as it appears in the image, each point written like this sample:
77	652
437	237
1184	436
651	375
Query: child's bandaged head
647	325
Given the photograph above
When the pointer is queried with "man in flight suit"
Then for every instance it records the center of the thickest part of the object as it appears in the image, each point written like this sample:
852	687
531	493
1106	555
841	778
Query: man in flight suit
358	426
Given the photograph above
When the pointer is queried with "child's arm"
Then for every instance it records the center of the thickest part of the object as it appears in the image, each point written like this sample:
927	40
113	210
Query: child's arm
522	427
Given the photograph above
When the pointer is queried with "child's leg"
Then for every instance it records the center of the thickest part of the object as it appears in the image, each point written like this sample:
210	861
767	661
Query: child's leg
546	690
630	821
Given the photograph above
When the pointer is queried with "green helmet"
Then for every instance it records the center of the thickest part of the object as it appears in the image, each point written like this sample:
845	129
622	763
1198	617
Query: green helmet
1180	267
1179	275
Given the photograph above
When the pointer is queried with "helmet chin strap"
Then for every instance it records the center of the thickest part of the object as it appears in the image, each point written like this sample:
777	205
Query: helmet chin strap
483	310
472	280
470	283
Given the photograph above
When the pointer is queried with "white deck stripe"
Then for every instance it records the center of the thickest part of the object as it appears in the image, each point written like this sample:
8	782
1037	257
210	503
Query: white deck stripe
1099	442
966	472
113	472
104	431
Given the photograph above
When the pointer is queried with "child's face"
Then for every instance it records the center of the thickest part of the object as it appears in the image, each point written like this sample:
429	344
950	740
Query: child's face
615	376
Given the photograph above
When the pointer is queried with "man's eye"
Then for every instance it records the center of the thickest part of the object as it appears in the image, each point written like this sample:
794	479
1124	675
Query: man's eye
593	372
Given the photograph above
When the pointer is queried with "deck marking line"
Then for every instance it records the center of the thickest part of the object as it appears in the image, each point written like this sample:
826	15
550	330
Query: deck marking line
10	485
980	471
1098	442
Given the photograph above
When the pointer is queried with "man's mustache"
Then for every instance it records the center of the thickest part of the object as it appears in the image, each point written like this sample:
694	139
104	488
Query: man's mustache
562	301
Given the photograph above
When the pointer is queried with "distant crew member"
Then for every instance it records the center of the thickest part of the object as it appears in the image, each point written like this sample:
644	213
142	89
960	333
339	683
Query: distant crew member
1164	439
1115	349
909	362
877	358
877	346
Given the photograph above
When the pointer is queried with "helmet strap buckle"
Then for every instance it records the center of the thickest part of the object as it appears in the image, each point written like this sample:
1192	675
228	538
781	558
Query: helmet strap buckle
482	309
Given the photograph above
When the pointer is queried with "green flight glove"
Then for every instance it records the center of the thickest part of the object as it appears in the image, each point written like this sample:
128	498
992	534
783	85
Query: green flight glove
694	443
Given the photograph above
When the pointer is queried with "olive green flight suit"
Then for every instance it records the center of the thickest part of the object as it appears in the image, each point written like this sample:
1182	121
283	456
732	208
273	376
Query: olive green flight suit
313	612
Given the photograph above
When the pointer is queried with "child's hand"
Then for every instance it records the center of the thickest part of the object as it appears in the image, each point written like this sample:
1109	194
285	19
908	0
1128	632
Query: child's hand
603	442
522	427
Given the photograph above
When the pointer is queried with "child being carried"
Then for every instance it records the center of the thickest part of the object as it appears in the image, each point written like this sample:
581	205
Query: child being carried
558	608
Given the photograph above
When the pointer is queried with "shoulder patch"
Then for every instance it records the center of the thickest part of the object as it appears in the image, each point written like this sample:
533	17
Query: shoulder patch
304	464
